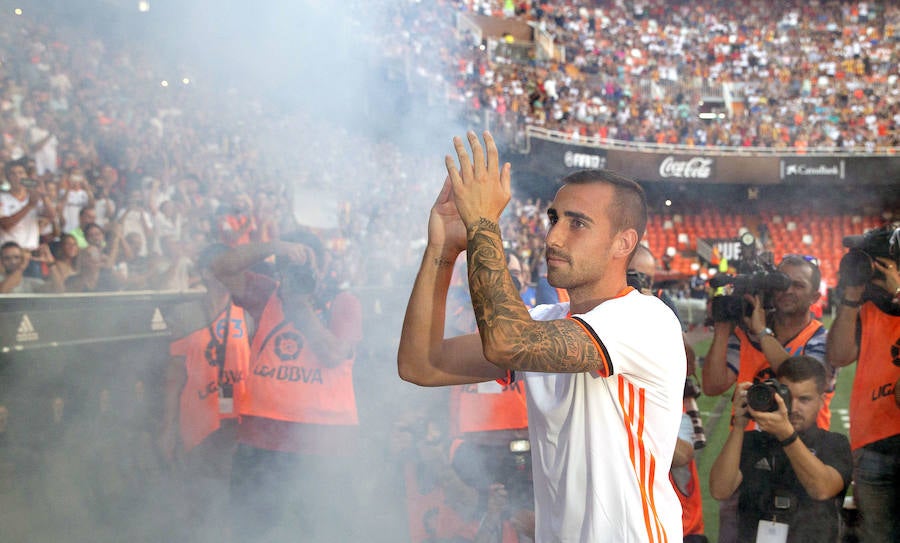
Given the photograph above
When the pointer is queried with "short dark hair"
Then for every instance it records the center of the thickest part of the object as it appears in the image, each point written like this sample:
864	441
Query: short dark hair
802	368
91	226
9	244
815	276
10	164
629	206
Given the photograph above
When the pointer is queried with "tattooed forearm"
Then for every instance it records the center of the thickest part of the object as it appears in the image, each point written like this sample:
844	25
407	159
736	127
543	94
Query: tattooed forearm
510	337
558	346
483	224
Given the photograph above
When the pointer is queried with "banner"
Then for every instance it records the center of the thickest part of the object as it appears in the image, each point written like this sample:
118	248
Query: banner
552	159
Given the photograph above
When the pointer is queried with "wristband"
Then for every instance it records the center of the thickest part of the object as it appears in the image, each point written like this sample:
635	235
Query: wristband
790	439
851	303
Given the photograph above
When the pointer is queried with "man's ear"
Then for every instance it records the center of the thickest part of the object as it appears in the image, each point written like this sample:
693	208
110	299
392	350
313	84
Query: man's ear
625	243
816	297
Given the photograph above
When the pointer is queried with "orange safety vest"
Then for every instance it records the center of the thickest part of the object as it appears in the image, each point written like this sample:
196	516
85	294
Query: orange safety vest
287	382
199	409
487	406
235	223
873	412
755	366
691	499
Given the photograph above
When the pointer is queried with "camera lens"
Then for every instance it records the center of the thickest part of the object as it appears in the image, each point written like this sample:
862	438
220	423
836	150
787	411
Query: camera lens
761	397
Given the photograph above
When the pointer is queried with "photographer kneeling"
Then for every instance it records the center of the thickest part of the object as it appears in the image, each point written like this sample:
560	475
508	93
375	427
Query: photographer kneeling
792	475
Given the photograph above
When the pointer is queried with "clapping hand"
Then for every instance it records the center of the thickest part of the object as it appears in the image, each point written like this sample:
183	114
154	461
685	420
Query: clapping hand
481	188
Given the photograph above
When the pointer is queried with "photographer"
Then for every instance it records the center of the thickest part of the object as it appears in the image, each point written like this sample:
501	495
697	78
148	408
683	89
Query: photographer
294	464
752	349
866	330
791	476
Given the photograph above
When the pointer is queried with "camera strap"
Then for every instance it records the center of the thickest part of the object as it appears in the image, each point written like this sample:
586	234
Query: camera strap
225	389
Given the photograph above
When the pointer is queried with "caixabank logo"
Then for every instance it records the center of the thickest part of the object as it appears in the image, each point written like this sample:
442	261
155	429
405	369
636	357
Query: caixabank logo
823	168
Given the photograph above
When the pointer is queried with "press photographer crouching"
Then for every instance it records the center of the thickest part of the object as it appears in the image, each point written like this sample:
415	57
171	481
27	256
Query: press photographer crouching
791	476
866	329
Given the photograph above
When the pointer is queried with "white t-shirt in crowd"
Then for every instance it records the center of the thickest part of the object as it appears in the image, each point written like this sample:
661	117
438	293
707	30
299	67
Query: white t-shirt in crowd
75	200
26	232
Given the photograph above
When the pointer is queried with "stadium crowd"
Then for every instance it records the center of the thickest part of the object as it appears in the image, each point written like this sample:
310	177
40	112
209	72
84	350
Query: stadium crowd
123	181
815	75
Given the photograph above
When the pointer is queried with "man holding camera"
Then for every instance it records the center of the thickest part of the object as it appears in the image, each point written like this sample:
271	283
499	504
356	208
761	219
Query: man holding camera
867	330
791	476
294	464
753	349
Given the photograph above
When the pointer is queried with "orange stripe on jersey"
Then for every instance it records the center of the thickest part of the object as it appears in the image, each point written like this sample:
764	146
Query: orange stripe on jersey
634	424
607	369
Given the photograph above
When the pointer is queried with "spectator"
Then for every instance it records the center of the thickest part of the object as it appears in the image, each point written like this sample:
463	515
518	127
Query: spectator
94	273
135	218
87	215
74	196
14	281
65	254
20	208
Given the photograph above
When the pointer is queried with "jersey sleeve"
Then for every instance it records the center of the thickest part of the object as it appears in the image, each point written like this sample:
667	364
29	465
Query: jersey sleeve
639	338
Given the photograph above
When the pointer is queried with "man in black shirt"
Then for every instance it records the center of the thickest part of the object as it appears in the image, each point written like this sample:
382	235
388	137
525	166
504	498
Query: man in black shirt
792	475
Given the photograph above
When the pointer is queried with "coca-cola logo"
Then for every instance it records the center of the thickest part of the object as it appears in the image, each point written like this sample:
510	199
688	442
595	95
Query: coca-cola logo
694	168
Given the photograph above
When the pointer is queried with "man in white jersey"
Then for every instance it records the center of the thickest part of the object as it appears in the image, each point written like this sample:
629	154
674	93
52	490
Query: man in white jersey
604	372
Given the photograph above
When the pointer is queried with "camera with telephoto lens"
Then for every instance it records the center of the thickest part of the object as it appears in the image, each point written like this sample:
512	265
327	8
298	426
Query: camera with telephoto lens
857	267
756	275
297	278
691	393
761	396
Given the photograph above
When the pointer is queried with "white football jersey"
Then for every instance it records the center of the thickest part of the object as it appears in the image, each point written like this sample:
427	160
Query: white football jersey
602	442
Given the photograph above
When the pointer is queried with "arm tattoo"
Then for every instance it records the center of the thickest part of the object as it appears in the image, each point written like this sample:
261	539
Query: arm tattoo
504	322
441	262
483	224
